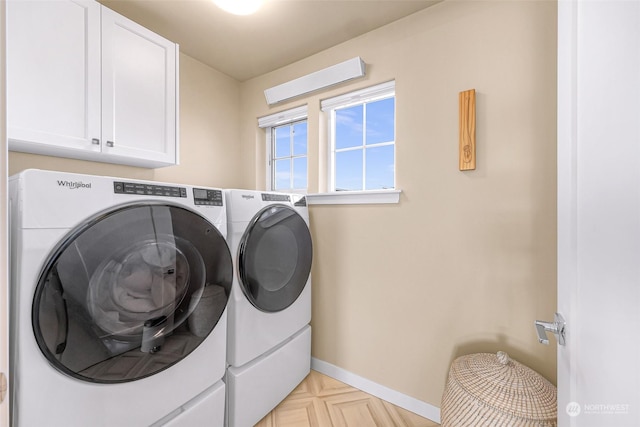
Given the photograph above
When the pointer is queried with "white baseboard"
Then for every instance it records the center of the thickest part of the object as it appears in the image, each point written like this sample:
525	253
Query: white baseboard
385	393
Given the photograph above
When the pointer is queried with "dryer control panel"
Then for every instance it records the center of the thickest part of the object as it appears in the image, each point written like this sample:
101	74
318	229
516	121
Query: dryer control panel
266	197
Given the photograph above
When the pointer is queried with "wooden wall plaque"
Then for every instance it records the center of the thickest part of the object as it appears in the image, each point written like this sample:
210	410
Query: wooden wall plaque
467	100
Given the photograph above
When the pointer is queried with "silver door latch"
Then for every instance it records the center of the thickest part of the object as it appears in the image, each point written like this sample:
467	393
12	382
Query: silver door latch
556	327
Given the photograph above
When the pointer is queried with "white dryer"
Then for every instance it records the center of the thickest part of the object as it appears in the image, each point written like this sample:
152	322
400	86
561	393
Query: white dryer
269	337
119	290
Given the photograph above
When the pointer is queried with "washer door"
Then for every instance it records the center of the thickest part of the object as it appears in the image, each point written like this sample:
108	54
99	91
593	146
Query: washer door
274	259
131	292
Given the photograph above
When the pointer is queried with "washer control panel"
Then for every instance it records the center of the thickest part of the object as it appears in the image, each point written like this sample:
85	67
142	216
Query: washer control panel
122	187
201	196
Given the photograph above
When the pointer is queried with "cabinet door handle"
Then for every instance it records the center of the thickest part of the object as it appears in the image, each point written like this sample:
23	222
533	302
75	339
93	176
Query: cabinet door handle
95	141
109	143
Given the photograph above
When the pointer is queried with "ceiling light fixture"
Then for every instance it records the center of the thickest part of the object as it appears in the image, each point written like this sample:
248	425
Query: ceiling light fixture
239	7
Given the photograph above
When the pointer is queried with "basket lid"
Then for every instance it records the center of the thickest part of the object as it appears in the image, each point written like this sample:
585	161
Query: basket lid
505	385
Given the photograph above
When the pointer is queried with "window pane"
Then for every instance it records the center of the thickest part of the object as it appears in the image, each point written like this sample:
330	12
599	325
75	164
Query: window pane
283	141
300	173
380	168
380	121
282	179
349	170
349	127
300	139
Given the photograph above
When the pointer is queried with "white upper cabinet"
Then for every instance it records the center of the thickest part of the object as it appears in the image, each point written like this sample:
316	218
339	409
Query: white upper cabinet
53	72
85	82
138	91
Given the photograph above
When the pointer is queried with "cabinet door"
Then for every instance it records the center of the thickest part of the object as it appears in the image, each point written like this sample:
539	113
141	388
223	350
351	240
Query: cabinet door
139	92
53	70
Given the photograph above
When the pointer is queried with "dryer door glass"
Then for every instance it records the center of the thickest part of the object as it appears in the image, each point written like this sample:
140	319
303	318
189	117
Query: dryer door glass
131	292
275	258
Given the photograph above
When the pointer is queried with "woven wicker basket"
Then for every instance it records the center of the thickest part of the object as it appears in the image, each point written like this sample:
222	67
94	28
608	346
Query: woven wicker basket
485	389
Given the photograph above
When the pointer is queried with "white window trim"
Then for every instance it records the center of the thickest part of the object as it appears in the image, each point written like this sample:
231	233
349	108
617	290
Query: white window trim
368	94
271	121
355	197
283	117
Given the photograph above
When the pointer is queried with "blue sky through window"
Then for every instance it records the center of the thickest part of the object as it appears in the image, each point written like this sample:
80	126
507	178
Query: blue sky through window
349	170
283	142
300	172
349	124
380	121
300	139
380	167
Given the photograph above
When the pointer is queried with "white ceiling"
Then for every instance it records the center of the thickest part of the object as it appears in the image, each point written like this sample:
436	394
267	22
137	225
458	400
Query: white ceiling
280	33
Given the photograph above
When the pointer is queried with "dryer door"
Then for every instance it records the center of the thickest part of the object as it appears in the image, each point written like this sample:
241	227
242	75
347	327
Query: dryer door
274	259
131	292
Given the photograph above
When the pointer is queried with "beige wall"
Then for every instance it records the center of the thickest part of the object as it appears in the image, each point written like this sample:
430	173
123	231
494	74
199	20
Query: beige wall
209	153
467	260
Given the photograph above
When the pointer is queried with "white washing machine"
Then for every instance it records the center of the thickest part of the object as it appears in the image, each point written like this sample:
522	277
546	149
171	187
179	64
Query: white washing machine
119	290
269	337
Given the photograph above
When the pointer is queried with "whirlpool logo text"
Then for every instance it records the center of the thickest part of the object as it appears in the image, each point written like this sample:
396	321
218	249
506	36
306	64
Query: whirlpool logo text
74	185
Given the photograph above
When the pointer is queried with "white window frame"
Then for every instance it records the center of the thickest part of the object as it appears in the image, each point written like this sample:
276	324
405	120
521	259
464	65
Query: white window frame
269	123
329	106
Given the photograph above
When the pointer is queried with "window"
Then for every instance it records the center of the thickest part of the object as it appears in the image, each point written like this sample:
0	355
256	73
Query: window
286	150
362	139
289	156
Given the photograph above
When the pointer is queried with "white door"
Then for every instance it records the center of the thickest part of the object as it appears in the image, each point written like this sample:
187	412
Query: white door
4	243
599	212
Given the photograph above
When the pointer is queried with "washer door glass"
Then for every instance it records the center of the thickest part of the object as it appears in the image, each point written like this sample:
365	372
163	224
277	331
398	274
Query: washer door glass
131	292
275	258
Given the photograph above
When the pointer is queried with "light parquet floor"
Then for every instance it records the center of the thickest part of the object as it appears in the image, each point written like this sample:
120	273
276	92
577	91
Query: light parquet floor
321	401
